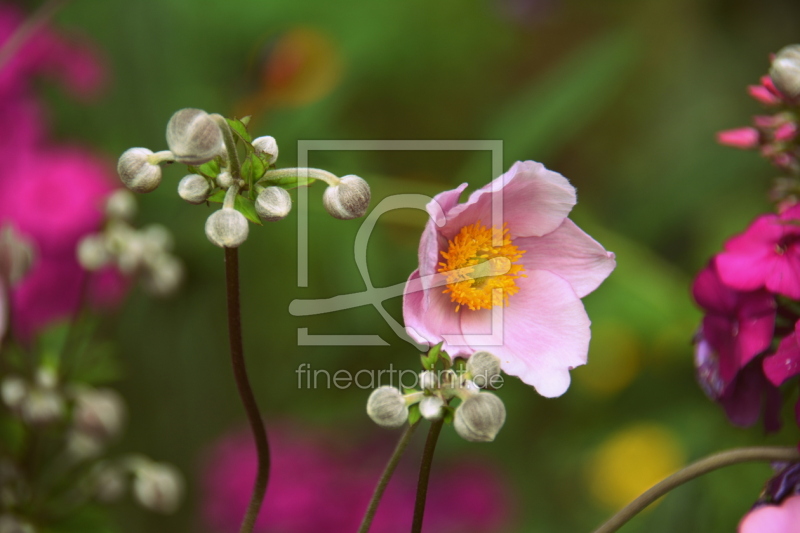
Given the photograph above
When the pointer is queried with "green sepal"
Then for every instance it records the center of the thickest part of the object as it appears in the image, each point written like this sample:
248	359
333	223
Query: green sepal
244	205
446	358
210	169
449	414
426	364
240	130
246	120
408	390
289	182
460	365
253	169
413	414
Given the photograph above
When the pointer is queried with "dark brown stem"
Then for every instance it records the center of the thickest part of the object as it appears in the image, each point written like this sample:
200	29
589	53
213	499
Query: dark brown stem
245	392
425	474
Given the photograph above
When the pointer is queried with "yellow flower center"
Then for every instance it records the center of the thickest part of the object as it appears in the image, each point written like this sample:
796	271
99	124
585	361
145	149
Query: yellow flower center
481	275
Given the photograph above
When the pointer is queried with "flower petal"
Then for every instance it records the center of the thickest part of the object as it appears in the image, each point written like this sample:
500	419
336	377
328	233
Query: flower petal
545	332
784	518
432	322
785	362
571	254
534	201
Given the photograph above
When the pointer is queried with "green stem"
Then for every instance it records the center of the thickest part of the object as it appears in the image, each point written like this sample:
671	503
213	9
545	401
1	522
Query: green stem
425	474
230	146
394	460
697	469
245	391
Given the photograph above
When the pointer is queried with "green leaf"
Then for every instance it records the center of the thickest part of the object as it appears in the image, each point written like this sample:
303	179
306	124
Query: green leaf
446	358
244	205
210	169
253	169
289	182
414	414
426	363
240	130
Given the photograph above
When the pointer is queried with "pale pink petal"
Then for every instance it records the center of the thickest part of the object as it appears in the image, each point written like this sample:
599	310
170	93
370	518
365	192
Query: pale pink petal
446	201
535	201
430	317
432	242
571	254
545	332
784	518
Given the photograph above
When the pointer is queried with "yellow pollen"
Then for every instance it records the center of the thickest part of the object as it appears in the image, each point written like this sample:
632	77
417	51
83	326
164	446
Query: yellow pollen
475	268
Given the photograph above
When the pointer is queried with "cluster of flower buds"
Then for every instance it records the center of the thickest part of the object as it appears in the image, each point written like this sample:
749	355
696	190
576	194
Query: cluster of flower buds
247	185
776	135
479	416
37	403
145	251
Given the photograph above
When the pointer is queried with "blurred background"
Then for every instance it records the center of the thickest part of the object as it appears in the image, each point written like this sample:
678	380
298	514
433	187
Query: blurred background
621	97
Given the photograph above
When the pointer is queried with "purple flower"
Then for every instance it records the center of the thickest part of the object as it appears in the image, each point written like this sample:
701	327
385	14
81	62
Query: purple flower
508	281
784	518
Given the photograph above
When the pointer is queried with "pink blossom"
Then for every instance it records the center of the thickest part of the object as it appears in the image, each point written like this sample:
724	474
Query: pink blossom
784	518
318	484
744	138
766	255
529	272
785	362
763	95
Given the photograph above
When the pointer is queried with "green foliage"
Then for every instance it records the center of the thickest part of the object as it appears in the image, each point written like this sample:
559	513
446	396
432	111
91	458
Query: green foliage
242	204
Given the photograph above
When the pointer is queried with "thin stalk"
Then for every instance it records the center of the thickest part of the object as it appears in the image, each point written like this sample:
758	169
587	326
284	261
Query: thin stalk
230	145
425	474
394	460
697	469
245	392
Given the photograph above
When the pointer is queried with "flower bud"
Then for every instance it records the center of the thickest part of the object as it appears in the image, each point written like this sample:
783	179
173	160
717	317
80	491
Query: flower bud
273	203
157	238
428	380
480	417
194	188
387	407
109	482
483	367
82	446
99	412
785	71
93	253
137	171
13	389
42	407
163	276
16	255
267	146
430	407
121	204
194	137
158	486
227	228
347	199
225	180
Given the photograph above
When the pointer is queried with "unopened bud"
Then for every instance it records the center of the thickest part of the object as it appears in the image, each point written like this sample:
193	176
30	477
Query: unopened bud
158	487
227	228
347	199
387	407
273	203
42	407
93	253
785	71
109	483
16	255
480	417
225	179
267	146
137	171
483	367
157	238
13	389
430	407
164	275
83	446
99	412
193	136
121	204
428	380
194	188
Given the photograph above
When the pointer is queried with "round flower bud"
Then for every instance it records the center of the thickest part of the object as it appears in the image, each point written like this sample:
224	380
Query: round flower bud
347	199
99	412
227	228
785	71
483	367
194	137
83	446
163	275
194	188
480	417
387	407
430	407
109	483
42	407
224	179
121	204
13	389
268	146
156	238
93	253
158	486
137	171
273	203
428	380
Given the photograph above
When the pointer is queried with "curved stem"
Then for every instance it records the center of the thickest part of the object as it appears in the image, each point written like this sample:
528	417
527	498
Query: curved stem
313	173
230	145
372	508
245	392
425	474
697	469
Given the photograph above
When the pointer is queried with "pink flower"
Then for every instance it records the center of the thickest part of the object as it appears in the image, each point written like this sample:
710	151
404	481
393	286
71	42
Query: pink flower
335	484
784	518
785	362
525	267
744	138
766	255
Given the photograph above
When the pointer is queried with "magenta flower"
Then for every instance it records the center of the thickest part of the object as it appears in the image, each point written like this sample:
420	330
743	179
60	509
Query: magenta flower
508	280
336	483
784	518
744	138
766	255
